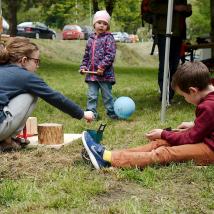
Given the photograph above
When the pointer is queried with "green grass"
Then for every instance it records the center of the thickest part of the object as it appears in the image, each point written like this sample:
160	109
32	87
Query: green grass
50	181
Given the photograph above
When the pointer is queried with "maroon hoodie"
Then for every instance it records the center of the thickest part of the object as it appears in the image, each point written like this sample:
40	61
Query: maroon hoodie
202	131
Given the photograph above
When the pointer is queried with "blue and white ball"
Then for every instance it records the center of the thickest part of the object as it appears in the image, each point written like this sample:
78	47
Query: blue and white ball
124	107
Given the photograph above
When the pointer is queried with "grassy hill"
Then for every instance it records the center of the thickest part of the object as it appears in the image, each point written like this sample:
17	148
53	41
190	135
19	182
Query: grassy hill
128	54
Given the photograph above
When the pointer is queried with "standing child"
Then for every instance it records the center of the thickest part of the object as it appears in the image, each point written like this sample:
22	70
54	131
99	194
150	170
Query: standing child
19	89
99	57
194	140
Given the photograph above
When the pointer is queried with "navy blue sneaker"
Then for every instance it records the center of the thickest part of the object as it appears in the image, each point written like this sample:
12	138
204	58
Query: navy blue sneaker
94	150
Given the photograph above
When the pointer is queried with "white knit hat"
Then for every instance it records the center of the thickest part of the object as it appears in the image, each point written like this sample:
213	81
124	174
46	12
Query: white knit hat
102	15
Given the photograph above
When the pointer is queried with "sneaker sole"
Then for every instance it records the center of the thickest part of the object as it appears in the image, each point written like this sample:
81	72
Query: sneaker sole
92	158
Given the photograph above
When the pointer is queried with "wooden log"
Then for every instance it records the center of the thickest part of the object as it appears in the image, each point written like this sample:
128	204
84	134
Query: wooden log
31	126
89	72
50	133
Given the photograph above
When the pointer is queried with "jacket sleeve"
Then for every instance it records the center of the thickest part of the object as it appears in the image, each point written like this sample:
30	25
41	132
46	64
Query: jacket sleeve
36	86
110	52
85	60
203	127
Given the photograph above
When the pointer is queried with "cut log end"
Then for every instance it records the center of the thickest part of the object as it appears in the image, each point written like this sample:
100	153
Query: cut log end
50	133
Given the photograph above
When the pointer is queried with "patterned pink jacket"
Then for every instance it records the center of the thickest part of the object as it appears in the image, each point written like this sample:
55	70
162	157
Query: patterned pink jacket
100	53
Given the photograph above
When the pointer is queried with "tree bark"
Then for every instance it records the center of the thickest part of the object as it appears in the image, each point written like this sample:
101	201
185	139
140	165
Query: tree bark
110	6
95	5
50	133
12	7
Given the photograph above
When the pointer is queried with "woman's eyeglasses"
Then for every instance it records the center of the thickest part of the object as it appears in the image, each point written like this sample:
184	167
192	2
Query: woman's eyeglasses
37	61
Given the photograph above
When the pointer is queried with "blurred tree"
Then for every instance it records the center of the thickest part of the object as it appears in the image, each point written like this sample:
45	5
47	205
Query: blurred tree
109	5
95	5
60	13
128	18
199	22
12	7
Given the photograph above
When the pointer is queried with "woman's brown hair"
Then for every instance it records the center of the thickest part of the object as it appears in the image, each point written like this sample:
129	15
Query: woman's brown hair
15	49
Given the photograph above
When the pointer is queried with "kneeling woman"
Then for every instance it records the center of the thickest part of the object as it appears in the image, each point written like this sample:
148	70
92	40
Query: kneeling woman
20	87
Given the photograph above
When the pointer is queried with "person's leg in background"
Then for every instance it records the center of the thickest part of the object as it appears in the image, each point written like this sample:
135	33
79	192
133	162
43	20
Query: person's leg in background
108	100
161	41
92	97
17	113
174	59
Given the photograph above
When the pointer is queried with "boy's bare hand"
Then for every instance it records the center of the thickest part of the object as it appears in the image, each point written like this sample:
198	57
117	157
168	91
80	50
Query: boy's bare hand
154	134
186	125
88	116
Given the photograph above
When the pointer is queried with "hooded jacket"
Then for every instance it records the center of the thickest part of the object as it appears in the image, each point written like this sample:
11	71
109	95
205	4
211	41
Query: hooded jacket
202	131
100	53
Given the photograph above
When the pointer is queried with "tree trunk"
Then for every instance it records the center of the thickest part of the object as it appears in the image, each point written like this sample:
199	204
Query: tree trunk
95	5
212	23
13	7
110	6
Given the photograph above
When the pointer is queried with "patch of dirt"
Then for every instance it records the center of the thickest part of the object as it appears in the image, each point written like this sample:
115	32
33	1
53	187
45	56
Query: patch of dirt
33	163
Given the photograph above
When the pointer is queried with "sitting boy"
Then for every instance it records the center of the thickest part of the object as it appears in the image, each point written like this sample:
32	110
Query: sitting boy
194	140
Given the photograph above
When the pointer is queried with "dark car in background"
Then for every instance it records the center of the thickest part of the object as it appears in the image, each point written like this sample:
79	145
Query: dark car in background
35	30
72	32
87	30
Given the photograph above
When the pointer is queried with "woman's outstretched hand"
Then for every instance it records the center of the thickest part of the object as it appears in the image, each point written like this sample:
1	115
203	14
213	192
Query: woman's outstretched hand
88	116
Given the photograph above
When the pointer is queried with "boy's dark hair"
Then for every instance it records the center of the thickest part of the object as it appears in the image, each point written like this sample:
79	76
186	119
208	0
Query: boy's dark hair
191	74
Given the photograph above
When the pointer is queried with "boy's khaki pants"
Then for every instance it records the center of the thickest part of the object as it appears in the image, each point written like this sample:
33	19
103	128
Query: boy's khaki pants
160	152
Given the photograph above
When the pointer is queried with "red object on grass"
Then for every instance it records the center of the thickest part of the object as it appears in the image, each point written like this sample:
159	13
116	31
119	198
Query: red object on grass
24	135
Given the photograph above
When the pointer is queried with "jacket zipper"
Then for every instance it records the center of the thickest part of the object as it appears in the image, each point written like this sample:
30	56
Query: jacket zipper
93	50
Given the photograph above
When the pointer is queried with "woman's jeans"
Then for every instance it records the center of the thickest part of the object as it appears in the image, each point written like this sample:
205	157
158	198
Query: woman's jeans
16	114
108	101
